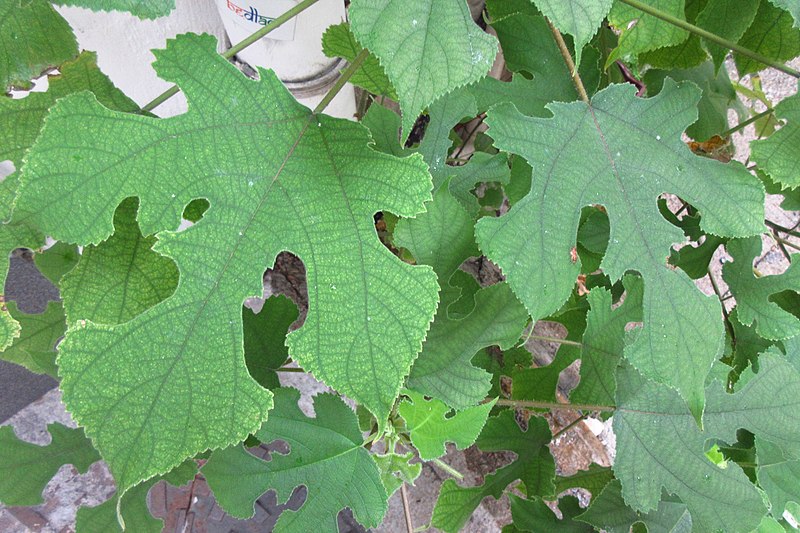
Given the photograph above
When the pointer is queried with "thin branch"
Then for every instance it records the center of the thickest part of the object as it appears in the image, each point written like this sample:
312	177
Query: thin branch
569	426
556	340
573	70
782	229
346	75
289	369
728	324
527	404
272	26
744	124
786	243
710	36
472	132
406	509
449	469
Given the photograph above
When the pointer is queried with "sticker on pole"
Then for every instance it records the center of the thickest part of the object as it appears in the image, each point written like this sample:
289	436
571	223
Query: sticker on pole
244	17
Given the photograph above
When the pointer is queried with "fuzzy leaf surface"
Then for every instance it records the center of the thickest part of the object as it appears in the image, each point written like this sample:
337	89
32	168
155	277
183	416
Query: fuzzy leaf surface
326	455
535	516
772	34
431	429
397	469
648	33
33	38
251	150
579	18
621	152
777	475
119	278
26	468
753	293
428	48
792	6
608	512
659	444
144	9
777	155
339	41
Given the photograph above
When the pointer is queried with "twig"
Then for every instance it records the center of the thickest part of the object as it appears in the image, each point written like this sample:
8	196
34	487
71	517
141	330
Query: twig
569	426
529	404
728	324
406	509
556	340
782	229
346	75
742	125
449	469
272	26
710	36
573	70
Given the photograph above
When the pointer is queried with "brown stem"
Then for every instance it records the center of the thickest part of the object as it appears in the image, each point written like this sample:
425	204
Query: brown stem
573	70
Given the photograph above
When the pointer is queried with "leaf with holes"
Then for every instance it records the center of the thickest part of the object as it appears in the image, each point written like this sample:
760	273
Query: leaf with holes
326	456
431	429
754	294
180	383
27	468
622	152
35	349
428	48
659	444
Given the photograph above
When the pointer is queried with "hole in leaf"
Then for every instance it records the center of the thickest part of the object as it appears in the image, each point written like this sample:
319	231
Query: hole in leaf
7	168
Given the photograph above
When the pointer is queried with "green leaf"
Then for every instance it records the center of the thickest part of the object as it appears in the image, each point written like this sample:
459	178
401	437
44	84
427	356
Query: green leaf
593	479
326	455
57	260
443	239
604	342
133	508
753	294
534	466
431	429
579	18
640	32
144	9
444	114
33	38
35	347
188	389
622	152
729	19
265	338
25	468
120	278
777	155
771	35
719	96
384	126
339	41
659	444
528	46
777	475
747	344
535	516
396	469
608	512
481	168
21	119
792	6
428	48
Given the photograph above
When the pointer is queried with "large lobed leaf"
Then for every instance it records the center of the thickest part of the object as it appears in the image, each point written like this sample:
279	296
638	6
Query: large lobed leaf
428	48
173	382
659	444
622	152
326	455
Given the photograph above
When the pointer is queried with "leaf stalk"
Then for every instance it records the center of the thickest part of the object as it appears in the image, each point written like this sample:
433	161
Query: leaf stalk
346	75
530	404
573	70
